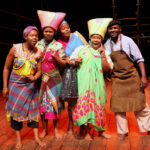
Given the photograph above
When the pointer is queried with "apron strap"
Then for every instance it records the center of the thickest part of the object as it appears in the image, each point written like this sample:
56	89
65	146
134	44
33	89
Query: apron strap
111	45
121	42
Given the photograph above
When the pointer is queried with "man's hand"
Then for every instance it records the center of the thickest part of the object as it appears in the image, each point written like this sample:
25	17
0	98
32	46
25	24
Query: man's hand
144	82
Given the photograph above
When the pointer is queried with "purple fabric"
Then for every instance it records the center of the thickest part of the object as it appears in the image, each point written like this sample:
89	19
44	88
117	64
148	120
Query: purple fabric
29	29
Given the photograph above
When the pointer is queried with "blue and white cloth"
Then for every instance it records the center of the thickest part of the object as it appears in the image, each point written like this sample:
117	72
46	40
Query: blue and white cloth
129	47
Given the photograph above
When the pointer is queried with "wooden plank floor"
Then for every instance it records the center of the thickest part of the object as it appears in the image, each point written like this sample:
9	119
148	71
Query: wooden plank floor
135	140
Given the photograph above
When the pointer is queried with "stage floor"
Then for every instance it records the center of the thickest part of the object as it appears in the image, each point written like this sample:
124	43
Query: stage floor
135	140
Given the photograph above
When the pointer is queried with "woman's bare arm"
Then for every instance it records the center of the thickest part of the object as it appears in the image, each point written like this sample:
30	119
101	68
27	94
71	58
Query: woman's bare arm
8	63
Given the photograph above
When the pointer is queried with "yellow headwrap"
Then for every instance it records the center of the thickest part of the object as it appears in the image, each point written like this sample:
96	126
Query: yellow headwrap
98	26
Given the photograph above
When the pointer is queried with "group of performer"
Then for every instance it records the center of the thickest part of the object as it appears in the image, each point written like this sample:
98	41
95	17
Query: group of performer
73	70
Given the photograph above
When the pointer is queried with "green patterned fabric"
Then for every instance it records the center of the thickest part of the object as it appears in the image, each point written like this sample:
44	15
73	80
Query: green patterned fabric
90	107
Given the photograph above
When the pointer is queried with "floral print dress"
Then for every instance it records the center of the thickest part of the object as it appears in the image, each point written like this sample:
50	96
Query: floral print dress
90	107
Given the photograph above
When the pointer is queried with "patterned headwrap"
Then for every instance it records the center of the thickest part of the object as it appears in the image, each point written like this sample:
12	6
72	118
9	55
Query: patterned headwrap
29	29
64	21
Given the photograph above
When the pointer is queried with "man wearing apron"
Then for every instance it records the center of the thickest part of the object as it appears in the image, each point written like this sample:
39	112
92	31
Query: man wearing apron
127	89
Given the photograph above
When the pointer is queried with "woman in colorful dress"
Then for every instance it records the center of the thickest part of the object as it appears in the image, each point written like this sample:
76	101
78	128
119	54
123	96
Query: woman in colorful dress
70	42
21	94
90	107
53	55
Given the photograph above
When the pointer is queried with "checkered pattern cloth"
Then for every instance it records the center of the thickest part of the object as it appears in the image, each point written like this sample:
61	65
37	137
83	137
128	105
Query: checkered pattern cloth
22	103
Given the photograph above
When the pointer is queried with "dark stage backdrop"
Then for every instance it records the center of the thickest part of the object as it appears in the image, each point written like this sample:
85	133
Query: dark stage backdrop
15	15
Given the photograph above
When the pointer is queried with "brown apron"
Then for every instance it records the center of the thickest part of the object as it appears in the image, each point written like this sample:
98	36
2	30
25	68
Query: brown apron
126	93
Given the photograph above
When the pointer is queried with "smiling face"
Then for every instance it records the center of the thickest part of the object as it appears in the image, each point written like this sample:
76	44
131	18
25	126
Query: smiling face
48	33
96	41
65	30
32	37
114	32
